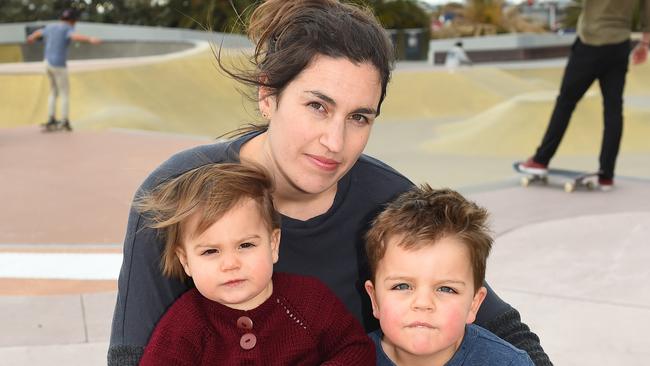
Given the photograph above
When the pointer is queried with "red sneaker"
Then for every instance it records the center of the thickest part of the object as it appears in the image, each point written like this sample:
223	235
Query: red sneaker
605	184
533	167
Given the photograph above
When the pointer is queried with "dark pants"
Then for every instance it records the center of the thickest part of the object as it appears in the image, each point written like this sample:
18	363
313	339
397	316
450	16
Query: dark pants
586	63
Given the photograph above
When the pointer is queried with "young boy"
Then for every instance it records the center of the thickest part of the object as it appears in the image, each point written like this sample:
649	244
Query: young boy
221	229
57	39
427	252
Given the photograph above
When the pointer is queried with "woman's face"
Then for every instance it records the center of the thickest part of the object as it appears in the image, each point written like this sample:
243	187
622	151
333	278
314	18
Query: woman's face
321	122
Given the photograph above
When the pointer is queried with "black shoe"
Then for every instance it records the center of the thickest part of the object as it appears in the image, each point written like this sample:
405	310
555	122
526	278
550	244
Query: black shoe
65	125
51	124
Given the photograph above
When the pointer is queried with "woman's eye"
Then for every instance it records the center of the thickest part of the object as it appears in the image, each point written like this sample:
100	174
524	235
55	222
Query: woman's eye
317	106
401	287
359	118
447	289
209	251
247	245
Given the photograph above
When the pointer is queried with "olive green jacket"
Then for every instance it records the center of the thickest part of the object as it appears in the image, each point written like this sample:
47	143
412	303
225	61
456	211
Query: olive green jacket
610	21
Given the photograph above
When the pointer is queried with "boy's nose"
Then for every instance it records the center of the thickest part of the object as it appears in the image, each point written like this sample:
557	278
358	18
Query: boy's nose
423	302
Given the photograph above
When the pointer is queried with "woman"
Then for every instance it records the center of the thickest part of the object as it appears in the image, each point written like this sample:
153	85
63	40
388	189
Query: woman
321	71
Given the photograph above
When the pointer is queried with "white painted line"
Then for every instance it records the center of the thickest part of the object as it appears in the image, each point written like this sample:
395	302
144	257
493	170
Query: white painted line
60	266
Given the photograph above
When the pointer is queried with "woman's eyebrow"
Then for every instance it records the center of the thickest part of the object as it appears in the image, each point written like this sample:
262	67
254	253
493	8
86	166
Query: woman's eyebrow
366	111
322	96
328	100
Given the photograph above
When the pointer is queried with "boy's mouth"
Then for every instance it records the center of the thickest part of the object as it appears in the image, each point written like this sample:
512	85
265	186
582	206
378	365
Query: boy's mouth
419	324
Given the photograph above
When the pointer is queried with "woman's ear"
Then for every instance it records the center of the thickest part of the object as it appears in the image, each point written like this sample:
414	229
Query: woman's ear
266	101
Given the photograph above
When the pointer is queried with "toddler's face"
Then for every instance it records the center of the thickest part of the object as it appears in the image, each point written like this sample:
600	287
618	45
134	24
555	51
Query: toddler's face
232	261
423	298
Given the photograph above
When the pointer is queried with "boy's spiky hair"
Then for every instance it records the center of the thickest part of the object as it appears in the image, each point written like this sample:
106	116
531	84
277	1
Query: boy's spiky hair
422	216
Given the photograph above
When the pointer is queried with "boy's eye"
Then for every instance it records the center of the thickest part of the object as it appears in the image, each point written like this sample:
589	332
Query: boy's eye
447	289
209	251
246	245
401	287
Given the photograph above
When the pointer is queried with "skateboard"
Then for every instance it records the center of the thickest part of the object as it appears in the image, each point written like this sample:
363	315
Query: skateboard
58	126
572	179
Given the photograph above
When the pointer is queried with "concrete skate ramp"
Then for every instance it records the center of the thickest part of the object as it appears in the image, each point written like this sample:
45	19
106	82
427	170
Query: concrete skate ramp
513	125
481	111
183	95
186	95
517	124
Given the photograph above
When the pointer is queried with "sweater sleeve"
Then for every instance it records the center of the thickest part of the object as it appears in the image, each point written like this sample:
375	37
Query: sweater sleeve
343	340
508	326
503	320
143	293
177	340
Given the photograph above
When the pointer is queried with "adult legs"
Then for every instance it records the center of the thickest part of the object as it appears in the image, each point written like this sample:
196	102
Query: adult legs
579	74
59	86
612	84
54	93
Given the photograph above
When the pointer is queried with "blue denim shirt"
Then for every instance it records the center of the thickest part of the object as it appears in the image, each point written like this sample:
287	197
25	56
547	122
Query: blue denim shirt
479	348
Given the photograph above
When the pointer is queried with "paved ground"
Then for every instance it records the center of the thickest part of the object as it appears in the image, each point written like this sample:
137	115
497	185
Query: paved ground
575	265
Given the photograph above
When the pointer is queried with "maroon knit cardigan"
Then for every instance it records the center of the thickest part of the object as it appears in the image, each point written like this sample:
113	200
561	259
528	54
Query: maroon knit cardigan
302	323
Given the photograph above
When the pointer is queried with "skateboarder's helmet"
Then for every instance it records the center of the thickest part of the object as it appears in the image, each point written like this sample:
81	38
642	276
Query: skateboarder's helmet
69	14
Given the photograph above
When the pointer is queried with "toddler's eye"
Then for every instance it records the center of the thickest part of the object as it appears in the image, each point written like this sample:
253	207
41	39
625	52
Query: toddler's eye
246	245
209	251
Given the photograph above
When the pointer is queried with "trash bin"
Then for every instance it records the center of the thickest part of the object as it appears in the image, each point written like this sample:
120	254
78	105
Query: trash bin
410	44
32	52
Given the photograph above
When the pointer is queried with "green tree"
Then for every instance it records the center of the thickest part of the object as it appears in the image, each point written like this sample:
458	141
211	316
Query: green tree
397	14
570	20
218	15
485	12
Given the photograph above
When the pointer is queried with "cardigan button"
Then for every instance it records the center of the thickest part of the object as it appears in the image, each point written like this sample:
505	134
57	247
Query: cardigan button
248	341
244	322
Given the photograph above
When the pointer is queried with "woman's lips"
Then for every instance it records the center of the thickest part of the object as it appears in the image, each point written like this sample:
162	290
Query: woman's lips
324	163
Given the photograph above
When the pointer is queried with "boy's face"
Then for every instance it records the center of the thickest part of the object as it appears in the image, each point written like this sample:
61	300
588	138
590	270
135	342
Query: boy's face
232	261
423	298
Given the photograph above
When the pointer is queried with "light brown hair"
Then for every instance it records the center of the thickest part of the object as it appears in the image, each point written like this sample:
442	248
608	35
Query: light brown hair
422	216
210	191
289	34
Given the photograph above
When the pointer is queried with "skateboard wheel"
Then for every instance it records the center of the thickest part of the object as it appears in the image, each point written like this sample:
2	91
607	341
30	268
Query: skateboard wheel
525	181
569	187
544	179
590	185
